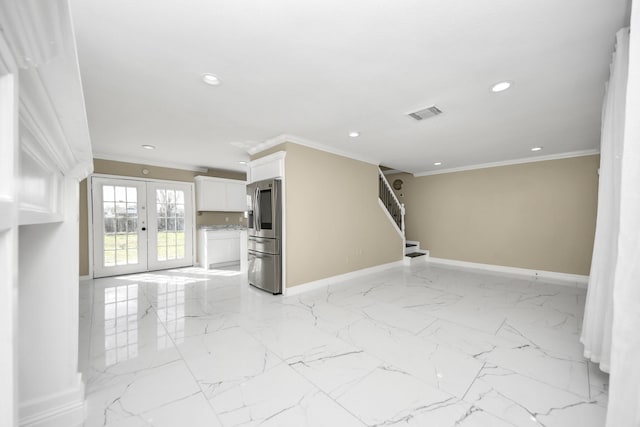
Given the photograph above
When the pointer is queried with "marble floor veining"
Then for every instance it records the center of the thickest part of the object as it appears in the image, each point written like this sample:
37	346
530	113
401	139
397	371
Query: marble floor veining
411	346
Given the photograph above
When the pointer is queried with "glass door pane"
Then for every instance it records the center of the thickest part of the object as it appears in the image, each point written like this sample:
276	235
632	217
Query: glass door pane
119	218
171	240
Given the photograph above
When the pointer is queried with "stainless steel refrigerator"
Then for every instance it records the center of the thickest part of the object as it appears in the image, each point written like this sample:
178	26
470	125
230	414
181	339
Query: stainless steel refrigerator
265	235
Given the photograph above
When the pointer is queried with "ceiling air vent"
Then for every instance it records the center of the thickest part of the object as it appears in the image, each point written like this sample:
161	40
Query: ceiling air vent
425	113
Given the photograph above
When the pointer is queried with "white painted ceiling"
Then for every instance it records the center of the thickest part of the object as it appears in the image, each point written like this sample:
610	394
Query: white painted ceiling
320	69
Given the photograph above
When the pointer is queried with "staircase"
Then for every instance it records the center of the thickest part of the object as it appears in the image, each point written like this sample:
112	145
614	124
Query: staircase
395	212
413	254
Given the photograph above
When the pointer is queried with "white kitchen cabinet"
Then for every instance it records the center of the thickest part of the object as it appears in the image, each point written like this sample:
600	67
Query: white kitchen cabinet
219	194
271	166
217	247
237	196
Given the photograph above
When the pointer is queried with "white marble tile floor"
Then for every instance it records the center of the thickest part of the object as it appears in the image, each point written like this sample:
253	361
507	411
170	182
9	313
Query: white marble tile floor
411	346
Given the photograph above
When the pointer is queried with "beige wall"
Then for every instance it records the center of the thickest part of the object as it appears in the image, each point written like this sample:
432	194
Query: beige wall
110	167
538	215
334	224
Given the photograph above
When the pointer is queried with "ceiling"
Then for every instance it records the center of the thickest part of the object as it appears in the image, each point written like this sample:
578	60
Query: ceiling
317	70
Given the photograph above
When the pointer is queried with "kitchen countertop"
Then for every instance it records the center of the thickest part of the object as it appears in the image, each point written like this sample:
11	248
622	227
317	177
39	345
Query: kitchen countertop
222	227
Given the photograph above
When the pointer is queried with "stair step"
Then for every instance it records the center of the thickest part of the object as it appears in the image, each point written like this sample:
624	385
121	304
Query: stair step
409	245
415	254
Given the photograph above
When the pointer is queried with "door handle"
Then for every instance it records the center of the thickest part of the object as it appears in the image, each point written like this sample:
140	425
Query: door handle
257	213
259	255
144	228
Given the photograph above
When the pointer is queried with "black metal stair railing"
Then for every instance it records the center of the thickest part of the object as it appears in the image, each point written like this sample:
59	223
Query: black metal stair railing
390	202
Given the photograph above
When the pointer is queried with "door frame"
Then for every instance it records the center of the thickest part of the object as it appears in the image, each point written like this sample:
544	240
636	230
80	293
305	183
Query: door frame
90	227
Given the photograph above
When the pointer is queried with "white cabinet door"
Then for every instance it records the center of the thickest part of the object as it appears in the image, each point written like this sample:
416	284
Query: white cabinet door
216	251
211	195
223	250
219	194
221	247
234	248
236	197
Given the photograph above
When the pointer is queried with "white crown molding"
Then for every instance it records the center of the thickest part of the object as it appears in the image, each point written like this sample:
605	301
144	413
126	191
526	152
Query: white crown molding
280	139
564	279
558	156
147	162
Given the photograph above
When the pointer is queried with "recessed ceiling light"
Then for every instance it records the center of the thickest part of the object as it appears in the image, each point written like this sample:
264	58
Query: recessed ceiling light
149	147
354	134
437	163
243	163
501	86
536	149
210	79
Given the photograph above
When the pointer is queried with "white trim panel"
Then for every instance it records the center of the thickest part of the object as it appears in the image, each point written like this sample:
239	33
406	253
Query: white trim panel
559	156
318	284
565	279
271	166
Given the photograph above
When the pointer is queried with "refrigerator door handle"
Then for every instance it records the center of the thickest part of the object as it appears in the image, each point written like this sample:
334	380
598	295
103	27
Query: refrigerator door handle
256	216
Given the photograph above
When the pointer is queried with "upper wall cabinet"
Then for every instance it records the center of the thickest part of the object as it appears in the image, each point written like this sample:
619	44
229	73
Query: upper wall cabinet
219	194
271	166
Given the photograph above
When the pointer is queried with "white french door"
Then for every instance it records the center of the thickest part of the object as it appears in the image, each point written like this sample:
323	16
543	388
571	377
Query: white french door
170	216
141	225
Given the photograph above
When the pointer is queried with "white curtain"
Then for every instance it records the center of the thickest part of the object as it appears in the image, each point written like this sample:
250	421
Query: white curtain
624	391
598	315
611	328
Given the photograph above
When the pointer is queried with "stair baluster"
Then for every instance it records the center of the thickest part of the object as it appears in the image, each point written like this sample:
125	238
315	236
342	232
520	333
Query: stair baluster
390	202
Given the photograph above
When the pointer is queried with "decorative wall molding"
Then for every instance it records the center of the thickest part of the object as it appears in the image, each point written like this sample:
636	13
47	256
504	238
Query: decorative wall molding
40	36
40	192
558	156
318	284
565	279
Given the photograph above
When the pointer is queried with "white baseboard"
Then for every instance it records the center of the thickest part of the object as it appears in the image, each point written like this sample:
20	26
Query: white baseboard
317	284
62	409
565	279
